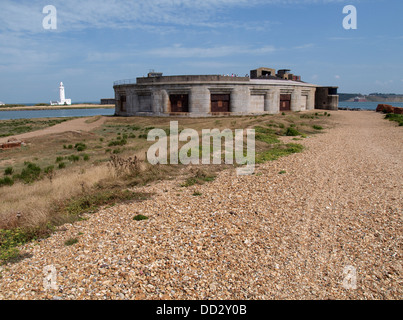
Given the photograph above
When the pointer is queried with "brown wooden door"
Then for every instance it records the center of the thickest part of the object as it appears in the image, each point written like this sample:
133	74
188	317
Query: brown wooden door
220	103
179	102
285	102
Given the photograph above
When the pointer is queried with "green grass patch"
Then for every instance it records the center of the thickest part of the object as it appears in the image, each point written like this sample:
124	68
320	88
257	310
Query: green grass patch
19	126
90	203
140	217
199	178
395	117
316	127
292	132
6	181
9	171
280	150
30	173
71	241
10	240
266	135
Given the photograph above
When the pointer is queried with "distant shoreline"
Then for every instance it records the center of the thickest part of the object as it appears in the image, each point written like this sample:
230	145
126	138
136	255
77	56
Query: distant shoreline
77	106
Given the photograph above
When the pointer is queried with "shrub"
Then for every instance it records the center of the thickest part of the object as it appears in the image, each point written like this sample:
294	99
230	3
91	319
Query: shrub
117	142
30	173
71	242
10	240
59	159
73	158
62	165
292	132
140	217
86	157
7	181
80	147
8	171
316	127
49	170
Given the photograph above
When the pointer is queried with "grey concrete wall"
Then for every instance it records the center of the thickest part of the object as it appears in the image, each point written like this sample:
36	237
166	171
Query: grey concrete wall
246	98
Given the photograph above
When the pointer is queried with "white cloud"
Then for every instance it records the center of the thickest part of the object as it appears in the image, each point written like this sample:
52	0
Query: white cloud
177	51
337	77
27	15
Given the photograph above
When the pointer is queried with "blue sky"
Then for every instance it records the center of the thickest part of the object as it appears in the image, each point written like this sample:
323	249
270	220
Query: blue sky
99	41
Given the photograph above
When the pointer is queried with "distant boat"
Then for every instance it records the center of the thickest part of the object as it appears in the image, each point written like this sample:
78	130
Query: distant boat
360	99
2	103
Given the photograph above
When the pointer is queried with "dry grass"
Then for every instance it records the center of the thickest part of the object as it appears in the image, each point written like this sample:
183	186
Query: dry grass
32	205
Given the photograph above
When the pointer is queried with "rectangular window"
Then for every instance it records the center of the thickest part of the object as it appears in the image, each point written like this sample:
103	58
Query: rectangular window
179	102
220	102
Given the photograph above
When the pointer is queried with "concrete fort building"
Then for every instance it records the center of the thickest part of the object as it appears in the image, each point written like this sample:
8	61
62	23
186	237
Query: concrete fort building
262	92
62	98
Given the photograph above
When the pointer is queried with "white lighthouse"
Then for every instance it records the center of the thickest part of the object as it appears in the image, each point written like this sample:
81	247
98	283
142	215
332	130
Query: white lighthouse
63	101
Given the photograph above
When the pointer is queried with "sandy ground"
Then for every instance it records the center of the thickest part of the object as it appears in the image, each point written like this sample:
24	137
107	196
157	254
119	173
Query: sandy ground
329	228
72	125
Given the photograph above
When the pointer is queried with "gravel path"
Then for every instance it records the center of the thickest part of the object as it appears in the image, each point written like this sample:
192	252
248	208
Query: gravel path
267	236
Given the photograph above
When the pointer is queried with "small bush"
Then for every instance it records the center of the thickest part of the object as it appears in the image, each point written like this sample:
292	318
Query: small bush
80	147
30	173
292	132
10	240
59	159
140	217
86	157
49	170
73	158
316	127
62	165
7	181
71	242
118	142
9	171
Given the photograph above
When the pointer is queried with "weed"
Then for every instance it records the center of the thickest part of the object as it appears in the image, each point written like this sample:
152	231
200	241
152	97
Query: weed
73	158
395	117
80	147
278	151
6	181
200	177
30	173
316	127
196	193
91	202
9	171
71	241
292	132
118	142
62	165
282	172
140	217
10	240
